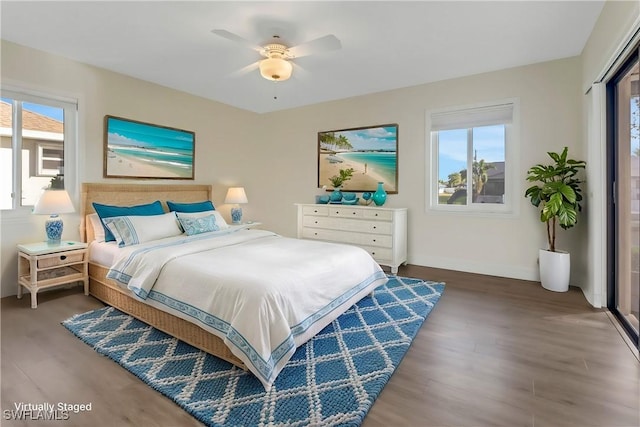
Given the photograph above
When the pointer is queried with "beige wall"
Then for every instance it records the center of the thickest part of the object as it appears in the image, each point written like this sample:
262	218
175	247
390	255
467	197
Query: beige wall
274	155
614	24
549	96
221	132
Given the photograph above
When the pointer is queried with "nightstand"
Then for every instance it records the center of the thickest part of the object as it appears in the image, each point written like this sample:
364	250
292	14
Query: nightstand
43	265
245	225
251	224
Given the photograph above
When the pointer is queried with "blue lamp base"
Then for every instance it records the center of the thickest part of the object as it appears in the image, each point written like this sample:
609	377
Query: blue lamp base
236	215
53	227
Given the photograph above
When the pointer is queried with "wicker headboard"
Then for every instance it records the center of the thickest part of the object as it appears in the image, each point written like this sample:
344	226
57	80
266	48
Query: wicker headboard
135	194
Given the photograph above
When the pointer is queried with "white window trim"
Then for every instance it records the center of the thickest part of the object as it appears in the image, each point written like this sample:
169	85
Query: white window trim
513	185
70	106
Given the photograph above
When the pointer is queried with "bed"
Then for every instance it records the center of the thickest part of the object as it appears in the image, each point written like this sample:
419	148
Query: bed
294	287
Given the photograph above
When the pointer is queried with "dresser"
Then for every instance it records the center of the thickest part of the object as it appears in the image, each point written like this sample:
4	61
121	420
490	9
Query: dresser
380	231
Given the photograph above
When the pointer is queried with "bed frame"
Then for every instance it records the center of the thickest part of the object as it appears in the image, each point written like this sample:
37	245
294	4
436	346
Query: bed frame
112	294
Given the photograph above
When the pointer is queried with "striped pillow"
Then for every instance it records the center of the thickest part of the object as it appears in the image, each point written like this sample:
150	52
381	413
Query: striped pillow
132	230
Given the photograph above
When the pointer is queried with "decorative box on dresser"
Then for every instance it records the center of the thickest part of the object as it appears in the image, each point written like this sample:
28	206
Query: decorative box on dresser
380	231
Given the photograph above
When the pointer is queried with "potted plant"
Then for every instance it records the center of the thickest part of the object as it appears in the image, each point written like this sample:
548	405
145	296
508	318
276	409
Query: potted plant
337	181
558	194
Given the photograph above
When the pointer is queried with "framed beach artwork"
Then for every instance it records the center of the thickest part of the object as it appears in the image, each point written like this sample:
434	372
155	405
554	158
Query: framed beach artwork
372	153
134	149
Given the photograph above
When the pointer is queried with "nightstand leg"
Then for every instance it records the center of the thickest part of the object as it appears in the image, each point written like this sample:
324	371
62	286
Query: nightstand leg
33	265
86	287
34	299
19	291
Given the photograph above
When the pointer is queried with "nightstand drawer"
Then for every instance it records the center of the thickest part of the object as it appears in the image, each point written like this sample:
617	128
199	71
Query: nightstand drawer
59	259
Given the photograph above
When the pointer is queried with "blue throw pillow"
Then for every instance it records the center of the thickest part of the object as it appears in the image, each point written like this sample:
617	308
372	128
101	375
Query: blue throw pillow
191	207
203	224
108	211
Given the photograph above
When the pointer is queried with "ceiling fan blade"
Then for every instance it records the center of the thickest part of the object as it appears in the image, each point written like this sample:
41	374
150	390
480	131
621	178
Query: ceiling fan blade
299	72
323	44
245	70
236	38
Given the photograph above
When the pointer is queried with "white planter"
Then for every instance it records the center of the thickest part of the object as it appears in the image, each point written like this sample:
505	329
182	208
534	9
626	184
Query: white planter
555	269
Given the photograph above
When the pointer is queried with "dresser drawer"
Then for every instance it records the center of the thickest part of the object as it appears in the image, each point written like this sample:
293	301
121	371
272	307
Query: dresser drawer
361	225
378	214
358	239
60	259
345	212
315	210
379	254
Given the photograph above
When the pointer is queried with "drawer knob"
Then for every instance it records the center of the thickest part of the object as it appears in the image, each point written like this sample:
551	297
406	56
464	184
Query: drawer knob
374	240
373	253
376	215
374	227
63	257
353	213
315	222
315	234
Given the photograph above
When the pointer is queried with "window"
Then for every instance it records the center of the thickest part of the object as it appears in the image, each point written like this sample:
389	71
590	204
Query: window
50	159
472	158
37	139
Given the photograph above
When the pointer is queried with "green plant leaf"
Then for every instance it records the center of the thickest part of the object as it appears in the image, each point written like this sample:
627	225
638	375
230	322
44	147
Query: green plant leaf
568	193
567	216
554	156
553	205
534	192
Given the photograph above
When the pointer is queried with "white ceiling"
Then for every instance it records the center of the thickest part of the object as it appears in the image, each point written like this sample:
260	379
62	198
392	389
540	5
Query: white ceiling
385	44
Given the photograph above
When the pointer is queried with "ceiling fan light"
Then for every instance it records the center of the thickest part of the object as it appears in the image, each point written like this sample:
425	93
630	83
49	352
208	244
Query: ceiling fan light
276	69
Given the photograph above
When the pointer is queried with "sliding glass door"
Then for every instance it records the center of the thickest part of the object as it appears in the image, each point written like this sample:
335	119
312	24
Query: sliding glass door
623	98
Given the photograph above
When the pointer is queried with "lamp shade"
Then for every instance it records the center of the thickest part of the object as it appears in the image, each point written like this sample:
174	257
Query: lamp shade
236	195
54	202
276	69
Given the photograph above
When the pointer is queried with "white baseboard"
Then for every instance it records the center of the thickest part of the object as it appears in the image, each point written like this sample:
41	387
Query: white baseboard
500	270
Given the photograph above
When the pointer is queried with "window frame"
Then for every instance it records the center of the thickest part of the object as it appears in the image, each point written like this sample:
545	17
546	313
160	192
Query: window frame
70	108
510	207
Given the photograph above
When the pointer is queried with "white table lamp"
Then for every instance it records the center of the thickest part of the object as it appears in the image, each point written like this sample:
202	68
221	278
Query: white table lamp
54	202
237	196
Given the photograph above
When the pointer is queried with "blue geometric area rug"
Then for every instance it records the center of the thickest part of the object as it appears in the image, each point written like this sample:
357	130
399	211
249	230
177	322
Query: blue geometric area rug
332	380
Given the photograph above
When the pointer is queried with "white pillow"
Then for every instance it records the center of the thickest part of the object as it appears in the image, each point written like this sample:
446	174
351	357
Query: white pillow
131	230
220	222
93	221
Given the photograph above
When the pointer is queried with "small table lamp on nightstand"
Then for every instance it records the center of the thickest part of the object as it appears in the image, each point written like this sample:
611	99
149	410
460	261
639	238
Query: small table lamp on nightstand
236	195
54	202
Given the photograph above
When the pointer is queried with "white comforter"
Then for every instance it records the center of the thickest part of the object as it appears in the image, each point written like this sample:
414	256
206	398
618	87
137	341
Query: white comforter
262	293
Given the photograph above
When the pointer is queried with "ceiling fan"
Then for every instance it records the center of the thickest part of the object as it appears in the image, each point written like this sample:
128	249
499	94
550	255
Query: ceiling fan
276	64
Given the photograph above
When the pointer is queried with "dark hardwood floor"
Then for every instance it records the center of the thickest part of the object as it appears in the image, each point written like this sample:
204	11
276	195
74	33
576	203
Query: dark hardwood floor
493	352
